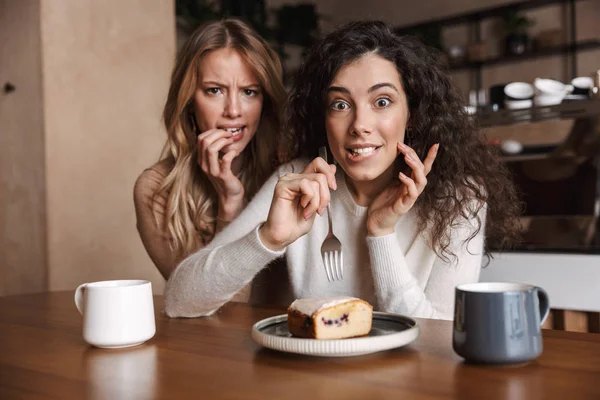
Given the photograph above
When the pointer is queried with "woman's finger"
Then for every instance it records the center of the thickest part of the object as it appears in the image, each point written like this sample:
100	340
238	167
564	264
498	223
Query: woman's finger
320	166
409	154
431	155
213	155
412	191
418	174
226	161
209	133
324	194
315	204
203	161
203	141
309	199
207	138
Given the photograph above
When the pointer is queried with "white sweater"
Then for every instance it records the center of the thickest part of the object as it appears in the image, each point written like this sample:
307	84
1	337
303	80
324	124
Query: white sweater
397	273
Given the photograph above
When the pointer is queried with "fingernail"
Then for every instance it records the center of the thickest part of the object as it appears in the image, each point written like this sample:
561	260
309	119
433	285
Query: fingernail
334	185
402	145
309	216
403	176
437	147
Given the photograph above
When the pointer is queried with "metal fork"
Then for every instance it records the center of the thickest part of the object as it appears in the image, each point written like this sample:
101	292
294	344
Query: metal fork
331	249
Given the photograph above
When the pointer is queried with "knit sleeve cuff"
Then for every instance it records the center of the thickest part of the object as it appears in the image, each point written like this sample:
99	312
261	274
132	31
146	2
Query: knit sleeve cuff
252	253
388	262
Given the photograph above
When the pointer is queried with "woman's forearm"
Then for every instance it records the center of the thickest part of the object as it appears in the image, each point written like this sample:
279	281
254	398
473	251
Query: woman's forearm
209	278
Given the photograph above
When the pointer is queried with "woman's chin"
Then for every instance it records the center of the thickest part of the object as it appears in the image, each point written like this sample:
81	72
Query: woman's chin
362	176
362	172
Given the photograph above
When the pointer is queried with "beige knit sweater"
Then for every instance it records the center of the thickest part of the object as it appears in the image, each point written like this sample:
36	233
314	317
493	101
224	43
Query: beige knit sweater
397	273
270	287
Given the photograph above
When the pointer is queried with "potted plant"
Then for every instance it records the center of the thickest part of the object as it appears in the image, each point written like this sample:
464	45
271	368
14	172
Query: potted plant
517	39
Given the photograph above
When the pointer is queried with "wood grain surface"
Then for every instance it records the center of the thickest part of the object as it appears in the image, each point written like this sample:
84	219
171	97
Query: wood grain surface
43	356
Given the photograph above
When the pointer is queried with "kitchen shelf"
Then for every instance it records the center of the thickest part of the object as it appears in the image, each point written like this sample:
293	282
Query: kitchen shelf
479	15
533	55
567	109
530	153
474	21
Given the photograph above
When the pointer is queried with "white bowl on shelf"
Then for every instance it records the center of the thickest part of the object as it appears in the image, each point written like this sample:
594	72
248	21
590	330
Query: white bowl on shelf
544	100
583	82
511	146
519	91
550	92
518	104
551	87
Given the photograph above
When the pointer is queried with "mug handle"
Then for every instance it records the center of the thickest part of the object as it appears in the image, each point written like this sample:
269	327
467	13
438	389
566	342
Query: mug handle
544	303
79	297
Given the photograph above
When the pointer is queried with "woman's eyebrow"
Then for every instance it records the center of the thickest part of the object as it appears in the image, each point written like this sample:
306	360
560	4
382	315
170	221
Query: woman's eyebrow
381	85
338	89
373	88
215	83
220	84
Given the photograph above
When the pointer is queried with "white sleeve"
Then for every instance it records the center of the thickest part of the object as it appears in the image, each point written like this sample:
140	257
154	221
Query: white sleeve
210	277
396	288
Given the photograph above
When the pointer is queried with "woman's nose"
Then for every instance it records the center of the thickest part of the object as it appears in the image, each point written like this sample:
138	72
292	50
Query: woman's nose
363	122
232	107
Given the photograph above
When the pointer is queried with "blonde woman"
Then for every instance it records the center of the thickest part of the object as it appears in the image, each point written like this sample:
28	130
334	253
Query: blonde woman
226	96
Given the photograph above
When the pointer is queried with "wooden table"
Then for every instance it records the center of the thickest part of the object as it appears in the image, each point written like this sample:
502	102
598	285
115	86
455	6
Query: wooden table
42	355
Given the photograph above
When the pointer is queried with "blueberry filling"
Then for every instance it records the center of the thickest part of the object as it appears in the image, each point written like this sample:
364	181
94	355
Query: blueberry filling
307	323
337	322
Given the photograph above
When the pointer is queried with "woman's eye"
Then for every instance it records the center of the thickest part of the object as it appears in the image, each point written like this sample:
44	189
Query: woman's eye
250	92
340	106
382	103
213	90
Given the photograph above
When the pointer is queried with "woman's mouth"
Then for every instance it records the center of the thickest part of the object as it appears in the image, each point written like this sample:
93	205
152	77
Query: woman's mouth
362	153
236	133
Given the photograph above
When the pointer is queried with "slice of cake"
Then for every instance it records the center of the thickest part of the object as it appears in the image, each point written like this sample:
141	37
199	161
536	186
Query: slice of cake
330	317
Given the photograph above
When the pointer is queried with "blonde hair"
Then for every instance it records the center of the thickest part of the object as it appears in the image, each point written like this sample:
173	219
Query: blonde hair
191	205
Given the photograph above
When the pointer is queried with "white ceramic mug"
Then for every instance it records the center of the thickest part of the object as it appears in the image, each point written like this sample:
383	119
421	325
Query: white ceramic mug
116	313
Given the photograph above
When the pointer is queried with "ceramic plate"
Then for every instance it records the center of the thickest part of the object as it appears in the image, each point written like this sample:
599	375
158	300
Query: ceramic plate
388	331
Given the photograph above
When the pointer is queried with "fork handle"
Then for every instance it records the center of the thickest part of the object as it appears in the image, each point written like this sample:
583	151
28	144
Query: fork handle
323	154
329	218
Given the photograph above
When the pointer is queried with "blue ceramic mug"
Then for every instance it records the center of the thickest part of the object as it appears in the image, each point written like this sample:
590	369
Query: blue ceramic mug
499	323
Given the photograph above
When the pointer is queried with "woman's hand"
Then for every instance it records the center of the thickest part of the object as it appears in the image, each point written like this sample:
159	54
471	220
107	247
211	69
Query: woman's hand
217	167
397	199
296	201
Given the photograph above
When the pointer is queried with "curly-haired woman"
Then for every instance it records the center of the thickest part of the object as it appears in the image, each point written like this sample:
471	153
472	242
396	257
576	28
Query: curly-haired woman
226	96
414	189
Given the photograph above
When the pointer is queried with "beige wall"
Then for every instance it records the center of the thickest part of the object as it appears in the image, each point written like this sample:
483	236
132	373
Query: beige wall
22	197
106	70
84	121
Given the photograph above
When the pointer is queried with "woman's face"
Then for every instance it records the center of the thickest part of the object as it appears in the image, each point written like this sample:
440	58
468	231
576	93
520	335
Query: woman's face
366	117
229	96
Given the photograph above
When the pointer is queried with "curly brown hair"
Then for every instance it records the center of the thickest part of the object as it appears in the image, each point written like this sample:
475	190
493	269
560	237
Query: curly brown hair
466	168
